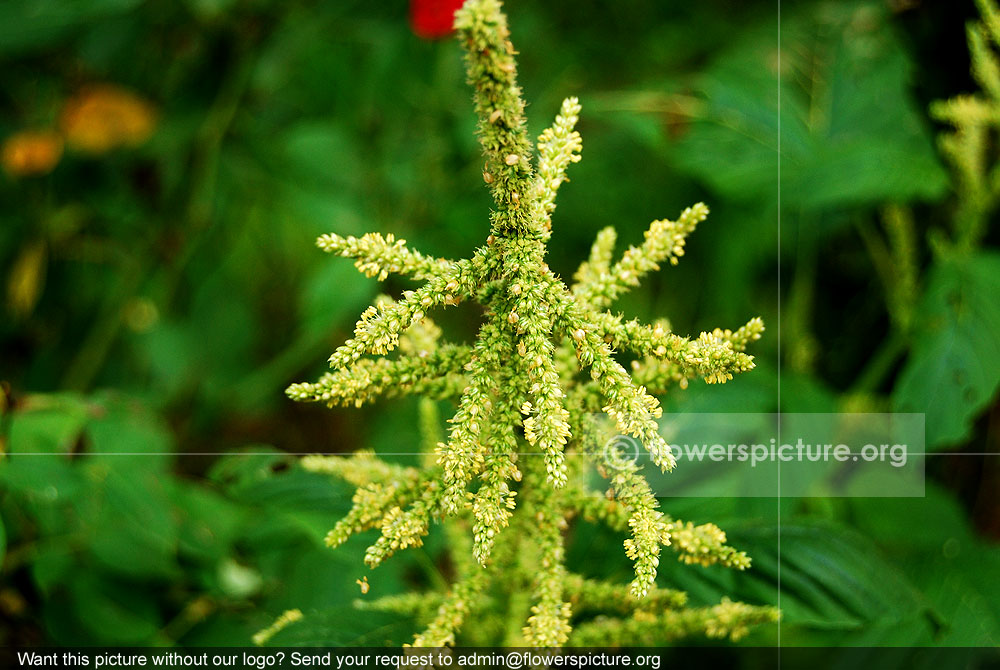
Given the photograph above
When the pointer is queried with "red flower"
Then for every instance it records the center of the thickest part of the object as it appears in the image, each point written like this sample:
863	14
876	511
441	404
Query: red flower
432	19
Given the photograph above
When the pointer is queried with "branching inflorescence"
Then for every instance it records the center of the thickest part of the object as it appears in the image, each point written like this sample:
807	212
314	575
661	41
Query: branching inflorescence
969	147
544	360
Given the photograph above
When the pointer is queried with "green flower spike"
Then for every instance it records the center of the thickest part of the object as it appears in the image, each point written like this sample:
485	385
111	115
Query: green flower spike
523	407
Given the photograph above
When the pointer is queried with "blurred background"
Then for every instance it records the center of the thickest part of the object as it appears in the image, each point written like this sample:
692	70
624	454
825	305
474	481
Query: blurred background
167	166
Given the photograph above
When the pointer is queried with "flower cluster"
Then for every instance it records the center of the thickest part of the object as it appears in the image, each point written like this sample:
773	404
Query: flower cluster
969	147
509	473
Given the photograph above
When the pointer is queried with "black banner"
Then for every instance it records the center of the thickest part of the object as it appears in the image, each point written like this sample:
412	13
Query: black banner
342	658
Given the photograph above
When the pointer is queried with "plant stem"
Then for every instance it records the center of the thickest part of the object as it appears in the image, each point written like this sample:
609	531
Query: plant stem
880	364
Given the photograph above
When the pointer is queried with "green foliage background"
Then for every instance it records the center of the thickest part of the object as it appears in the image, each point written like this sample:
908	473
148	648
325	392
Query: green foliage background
178	291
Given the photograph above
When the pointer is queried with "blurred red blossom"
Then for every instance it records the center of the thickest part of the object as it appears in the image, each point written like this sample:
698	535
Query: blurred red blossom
433	19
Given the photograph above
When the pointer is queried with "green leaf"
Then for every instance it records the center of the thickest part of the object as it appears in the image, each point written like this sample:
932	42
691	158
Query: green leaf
961	584
830	577
42	480
136	435
49	424
344	626
52	567
134	530
208	523
239	473
112	611
921	525
296	501
290	489
840	107
934	542
30	24
314	577
954	367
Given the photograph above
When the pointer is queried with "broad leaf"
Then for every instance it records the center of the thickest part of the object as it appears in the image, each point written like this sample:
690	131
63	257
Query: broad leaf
839	106
954	368
49	424
830	578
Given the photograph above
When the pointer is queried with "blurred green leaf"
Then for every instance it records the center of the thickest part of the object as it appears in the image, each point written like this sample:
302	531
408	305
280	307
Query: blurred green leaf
49	424
42	480
169	350
244	469
344	626
961	584
849	133
954	368
208	523
830	577
297	500
30	24
134	531
292	489
913	524
111	611
140	437
935	544
53	566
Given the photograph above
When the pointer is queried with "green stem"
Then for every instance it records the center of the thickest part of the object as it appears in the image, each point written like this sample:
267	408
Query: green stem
880	364
205	169
97	344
